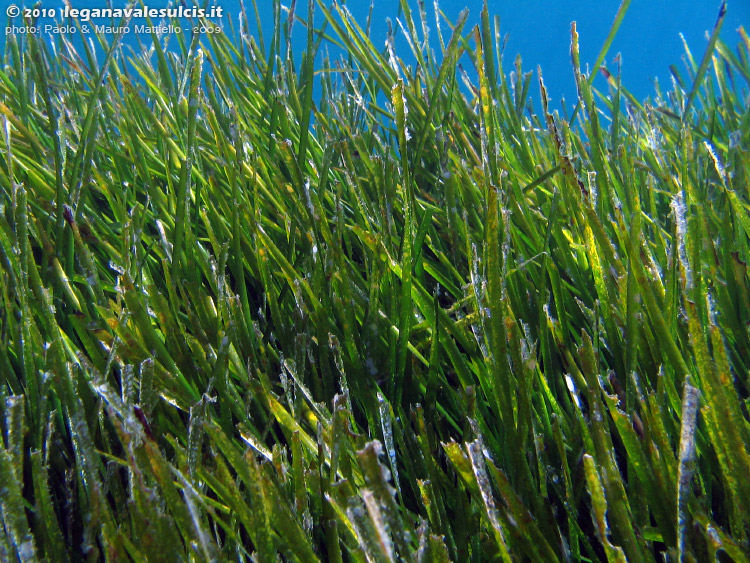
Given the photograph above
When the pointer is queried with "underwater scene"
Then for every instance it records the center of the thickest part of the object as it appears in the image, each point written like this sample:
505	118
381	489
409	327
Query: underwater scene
351	282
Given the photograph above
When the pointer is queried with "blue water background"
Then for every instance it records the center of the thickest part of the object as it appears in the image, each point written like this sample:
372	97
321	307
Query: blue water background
648	40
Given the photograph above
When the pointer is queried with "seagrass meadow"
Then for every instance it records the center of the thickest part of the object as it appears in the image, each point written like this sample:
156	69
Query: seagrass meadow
372	306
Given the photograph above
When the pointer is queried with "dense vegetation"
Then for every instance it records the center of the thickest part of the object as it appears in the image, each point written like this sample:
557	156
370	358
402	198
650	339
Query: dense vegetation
370	310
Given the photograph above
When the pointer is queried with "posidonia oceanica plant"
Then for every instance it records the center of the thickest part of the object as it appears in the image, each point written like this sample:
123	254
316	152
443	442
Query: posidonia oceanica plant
370	306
